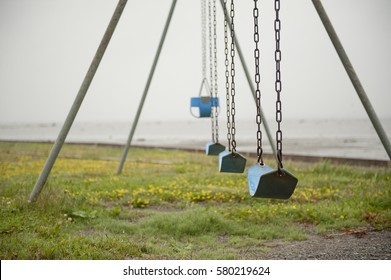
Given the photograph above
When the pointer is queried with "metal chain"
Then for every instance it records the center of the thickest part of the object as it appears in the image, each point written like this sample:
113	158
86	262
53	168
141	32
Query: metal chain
212	87
233	109
278	84
227	85
257	82
210	48
215	108
203	37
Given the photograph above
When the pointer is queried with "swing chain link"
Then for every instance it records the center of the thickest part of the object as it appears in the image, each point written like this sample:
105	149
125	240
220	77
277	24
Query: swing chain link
233	109
212	82
257	82
203	37
227	85
210	48
213	68
278	84
216	113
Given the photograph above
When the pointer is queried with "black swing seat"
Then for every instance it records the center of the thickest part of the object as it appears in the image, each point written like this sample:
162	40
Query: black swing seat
214	149
232	162
266	182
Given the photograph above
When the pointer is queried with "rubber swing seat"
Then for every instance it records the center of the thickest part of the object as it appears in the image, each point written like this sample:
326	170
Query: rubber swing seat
214	149
204	105
231	162
266	182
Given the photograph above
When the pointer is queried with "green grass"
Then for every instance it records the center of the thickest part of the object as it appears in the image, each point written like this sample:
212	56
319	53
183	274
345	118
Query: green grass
170	205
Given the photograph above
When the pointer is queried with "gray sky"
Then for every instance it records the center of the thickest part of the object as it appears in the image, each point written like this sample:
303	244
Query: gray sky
47	46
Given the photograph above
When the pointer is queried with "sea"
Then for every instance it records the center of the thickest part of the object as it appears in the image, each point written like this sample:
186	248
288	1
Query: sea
341	138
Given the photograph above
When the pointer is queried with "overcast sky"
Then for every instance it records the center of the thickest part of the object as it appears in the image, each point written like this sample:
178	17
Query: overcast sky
47	46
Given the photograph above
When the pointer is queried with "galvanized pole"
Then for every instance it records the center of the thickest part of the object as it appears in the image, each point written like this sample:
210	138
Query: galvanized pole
78	101
140	107
251	85
353	76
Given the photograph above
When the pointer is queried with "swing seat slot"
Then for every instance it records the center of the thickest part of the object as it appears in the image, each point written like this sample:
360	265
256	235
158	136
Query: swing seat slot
266	182
231	162
214	149
204	105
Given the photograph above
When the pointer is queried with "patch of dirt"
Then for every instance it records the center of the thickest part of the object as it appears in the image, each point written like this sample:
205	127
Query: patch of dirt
345	245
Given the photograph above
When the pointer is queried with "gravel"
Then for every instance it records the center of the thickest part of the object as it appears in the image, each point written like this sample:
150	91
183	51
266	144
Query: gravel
348	245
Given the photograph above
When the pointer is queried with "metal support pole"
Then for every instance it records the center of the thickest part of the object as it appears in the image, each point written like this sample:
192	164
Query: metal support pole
353	76
250	83
140	107
78	101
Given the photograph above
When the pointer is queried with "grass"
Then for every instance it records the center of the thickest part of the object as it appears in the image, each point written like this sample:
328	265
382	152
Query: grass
170	205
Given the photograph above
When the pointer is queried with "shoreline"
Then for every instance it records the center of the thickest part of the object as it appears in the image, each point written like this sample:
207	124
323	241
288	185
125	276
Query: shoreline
268	156
335	140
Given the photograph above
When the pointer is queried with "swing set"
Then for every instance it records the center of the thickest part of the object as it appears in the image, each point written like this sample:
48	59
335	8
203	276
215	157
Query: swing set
263	180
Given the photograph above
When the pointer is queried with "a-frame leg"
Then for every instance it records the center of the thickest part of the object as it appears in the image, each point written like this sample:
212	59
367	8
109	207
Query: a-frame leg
78	101
353	76
140	107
